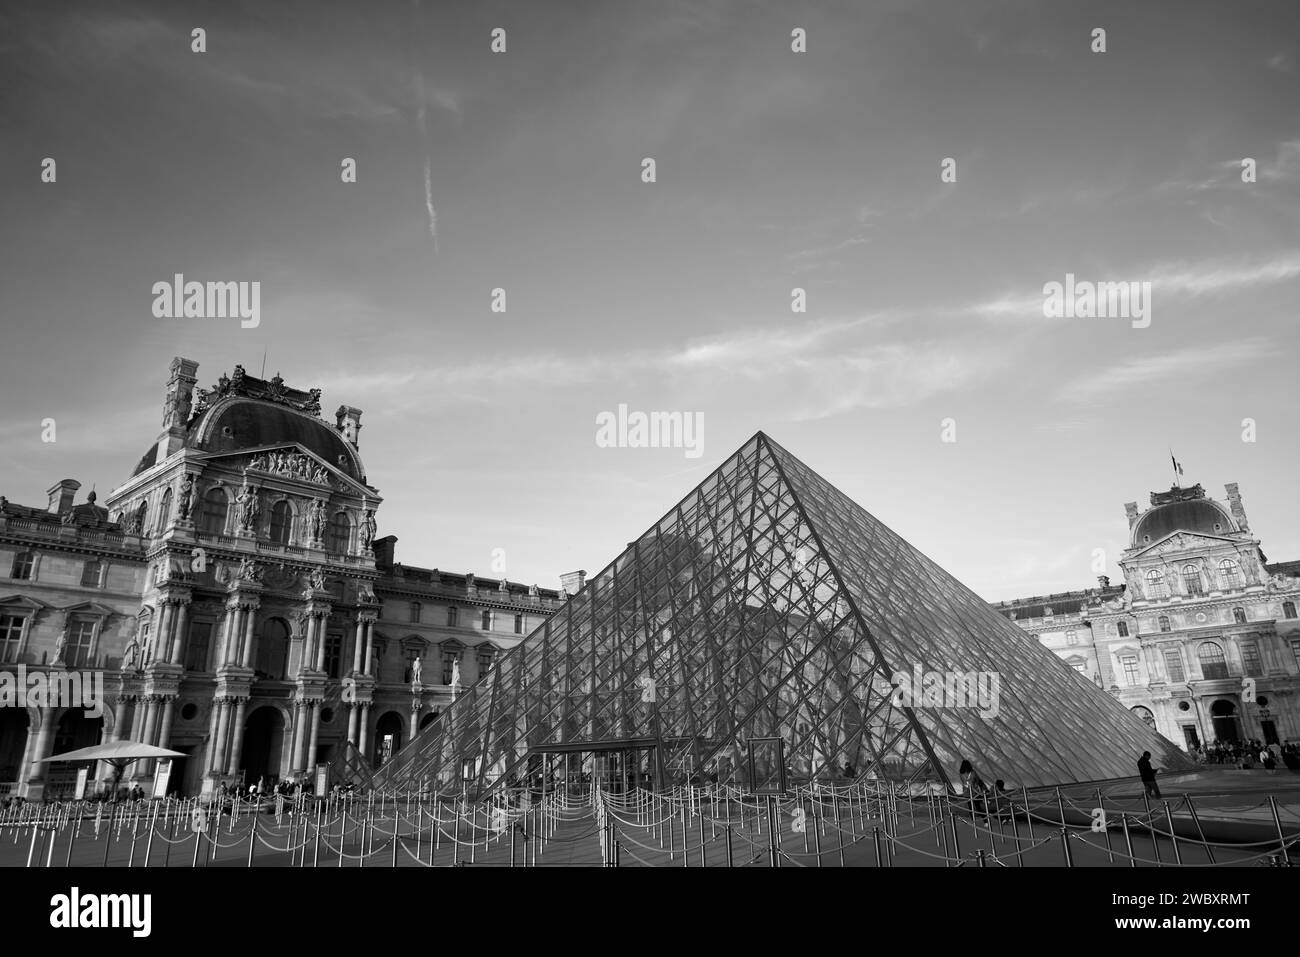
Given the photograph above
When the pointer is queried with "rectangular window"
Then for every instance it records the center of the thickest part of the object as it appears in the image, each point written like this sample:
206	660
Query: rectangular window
449	658
453	614
1174	665
81	639
485	662
519	624
1123	629
1250	659
90	574
11	636
333	653
487	620
22	566
1295	651
198	645
415	612
1130	666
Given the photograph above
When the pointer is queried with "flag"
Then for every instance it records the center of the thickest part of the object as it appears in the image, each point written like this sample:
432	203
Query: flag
1178	469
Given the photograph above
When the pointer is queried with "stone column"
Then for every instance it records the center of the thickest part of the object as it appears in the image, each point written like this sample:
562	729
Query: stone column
213	718
365	731
250	621
119	718
313	747
227	630
321	626
237	740
163	639
137	721
165	725
182	636
223	732
150	729
43	748
358	645
297	737
353	715
370	642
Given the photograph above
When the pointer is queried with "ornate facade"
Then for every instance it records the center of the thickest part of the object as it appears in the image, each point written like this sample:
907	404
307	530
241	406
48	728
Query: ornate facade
235	594
1202	640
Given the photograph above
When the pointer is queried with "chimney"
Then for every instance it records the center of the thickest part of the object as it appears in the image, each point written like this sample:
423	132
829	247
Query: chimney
1238	510
61	494
183	374
572	582
1131	510
383	549
348	421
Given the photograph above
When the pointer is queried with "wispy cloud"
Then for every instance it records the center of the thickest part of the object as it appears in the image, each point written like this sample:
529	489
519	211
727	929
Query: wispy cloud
1149	371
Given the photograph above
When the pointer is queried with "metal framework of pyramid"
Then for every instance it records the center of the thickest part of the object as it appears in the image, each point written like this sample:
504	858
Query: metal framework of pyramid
768	604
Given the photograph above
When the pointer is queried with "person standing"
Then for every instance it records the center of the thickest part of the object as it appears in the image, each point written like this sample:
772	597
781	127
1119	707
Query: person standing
1148	775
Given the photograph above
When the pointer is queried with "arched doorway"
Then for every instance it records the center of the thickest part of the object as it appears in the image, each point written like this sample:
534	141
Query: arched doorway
263	745
429	719
13	742
388	737
1146	715
1223	714
73	731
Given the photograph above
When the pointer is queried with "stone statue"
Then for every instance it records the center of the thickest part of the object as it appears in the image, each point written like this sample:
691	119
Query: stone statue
312	405
368	529
532	591
246	501
249	571
130	654
455	674
186	498
237	380
316	579
416	668
60	647
318	520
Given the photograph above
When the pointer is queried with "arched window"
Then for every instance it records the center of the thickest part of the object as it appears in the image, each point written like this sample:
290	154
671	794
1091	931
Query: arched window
22	567
273	650
1156	584
1230	573
340	533
1288	609
1213	664
1239	615
281	522
1192	580
1163	621
1123	628
1146	715
165	511
213	517
141	517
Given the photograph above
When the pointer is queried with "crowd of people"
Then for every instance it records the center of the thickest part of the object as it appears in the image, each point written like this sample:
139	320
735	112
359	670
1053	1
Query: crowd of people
1250	754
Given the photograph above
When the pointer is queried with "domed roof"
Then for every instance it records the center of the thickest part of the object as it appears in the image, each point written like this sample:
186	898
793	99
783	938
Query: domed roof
233	423
1194	515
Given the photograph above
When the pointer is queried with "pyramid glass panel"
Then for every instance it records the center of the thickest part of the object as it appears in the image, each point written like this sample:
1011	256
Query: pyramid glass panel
768	604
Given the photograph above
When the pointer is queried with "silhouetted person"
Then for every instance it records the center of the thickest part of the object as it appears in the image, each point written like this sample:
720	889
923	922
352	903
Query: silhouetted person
1148	775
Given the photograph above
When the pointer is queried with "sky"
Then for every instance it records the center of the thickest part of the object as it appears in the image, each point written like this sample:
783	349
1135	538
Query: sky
523	171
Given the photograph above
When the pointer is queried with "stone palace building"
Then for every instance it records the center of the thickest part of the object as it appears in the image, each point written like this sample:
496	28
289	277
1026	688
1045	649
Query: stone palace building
236	598
1201	640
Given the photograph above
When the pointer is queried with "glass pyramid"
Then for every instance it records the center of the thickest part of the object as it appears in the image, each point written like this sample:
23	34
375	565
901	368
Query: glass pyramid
768	604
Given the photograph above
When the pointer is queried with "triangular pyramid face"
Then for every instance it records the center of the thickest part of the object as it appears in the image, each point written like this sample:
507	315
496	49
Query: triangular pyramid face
767	604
